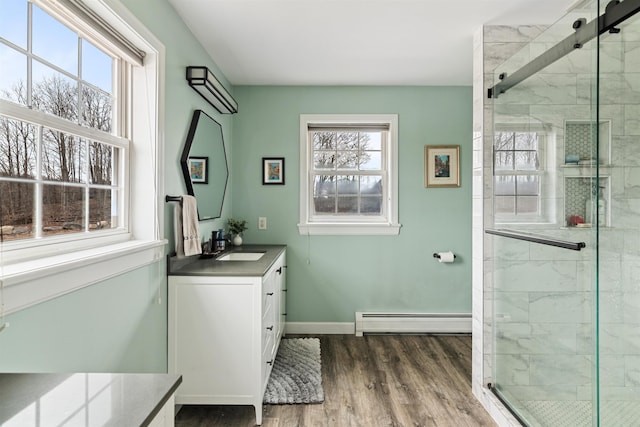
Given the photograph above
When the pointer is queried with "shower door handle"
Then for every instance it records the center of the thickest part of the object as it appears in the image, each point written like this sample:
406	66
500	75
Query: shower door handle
543	240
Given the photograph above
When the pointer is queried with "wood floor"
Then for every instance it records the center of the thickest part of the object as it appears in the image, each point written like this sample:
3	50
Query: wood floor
375	380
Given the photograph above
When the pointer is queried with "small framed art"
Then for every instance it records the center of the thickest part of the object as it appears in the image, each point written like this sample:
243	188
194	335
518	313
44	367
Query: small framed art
198	170
273	171
442	166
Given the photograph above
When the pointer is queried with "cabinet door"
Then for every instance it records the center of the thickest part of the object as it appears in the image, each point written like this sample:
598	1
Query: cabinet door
211	339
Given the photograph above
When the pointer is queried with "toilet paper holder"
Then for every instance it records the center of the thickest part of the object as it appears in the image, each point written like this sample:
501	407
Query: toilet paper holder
437	255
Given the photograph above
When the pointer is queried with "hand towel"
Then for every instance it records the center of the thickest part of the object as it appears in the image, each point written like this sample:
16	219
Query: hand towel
177	230
190	226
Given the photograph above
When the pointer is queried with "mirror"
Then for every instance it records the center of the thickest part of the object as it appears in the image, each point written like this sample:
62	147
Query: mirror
204	165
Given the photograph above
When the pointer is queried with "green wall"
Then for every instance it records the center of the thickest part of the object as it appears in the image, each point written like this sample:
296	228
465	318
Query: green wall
331	277
118	325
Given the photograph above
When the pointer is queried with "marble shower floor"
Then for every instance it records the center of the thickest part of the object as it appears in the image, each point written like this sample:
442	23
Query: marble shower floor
546	413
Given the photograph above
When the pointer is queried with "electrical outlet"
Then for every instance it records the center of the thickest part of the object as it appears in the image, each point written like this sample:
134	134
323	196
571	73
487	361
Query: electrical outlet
262	223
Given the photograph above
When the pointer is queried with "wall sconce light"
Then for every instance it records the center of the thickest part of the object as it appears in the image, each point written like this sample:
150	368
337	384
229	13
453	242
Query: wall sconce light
209	87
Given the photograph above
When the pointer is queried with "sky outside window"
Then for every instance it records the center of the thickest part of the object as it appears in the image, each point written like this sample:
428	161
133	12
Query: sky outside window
54	43
13	22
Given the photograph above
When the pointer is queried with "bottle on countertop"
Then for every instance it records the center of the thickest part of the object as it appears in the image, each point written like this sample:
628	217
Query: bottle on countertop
213	244
220	242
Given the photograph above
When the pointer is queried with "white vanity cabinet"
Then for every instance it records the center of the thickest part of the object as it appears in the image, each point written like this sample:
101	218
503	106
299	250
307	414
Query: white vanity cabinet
224	333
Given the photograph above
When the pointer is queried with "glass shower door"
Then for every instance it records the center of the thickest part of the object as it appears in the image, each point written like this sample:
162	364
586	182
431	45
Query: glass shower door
544	234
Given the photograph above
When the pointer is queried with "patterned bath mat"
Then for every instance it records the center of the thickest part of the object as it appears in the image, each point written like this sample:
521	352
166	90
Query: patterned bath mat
297	373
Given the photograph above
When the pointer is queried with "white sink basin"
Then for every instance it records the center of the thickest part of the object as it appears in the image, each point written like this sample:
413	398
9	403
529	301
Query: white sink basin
241	256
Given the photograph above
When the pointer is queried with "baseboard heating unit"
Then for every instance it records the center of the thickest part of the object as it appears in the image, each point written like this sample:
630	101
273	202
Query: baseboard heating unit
414	323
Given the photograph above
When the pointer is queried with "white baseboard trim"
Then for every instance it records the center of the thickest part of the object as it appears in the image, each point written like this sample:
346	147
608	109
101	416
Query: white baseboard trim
456	325
320	328
429	323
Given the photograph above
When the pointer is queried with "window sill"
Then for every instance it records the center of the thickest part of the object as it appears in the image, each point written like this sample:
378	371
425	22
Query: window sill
349	229
32	282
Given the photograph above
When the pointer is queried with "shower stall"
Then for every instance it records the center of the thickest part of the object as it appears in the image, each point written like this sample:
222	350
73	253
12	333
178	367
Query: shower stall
563	237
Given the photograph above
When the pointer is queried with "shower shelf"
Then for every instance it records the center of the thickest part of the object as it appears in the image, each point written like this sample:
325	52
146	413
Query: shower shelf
579	179
578	190
578	140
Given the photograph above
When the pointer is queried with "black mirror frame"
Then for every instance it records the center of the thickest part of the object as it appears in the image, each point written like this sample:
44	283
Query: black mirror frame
185	157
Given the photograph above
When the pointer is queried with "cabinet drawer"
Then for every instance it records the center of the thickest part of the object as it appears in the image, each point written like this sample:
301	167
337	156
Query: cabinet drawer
268	301
268	359
268	307
269	331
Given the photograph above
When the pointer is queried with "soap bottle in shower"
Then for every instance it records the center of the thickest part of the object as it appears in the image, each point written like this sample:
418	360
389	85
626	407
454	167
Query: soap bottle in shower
596	202
602	208
589	211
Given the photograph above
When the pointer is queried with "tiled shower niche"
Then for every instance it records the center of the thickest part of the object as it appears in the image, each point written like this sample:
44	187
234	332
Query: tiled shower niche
577	191
580	171
577	142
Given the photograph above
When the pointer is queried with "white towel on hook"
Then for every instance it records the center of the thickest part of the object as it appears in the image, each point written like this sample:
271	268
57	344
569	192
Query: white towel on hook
187	227
177	230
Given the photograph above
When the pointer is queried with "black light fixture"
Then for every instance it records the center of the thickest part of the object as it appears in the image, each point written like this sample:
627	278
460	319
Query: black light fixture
202	80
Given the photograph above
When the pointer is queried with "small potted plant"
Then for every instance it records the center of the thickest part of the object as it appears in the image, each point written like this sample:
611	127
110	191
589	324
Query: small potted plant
235	228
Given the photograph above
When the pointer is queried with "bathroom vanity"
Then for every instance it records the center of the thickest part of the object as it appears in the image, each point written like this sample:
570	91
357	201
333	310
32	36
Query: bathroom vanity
226	319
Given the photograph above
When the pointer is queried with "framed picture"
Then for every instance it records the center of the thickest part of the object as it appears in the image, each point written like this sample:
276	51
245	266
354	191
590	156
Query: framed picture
198	170
273	171
442	166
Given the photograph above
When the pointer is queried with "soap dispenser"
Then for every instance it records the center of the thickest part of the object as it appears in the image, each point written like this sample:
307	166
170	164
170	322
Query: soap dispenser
596	203
602	208
589	214
221	243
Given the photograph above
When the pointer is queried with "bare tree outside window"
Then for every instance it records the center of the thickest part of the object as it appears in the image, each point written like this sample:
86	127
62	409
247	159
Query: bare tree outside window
517	173
69	165
53	179
347	172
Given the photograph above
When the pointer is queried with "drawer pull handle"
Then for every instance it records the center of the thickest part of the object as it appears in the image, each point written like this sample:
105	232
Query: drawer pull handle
269	293
270	362
270	328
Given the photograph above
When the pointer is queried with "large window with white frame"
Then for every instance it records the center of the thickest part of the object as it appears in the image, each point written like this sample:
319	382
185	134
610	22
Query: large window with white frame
63	141
348	171
81	85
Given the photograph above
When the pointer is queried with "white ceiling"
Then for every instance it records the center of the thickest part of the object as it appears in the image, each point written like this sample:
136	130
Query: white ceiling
352	42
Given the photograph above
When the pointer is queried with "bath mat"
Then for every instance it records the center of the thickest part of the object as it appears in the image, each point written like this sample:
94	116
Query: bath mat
297	373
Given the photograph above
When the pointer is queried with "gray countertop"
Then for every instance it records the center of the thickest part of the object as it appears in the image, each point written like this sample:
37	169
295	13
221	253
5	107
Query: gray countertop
83	399
196	266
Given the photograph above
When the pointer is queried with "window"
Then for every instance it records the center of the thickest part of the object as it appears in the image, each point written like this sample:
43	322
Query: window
348	174
57	178
73	81
519	167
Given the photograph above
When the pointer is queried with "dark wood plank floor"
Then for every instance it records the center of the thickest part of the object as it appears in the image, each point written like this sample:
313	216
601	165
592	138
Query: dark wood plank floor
375	380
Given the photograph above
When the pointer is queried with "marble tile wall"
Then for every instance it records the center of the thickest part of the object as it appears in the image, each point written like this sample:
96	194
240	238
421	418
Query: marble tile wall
544	300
